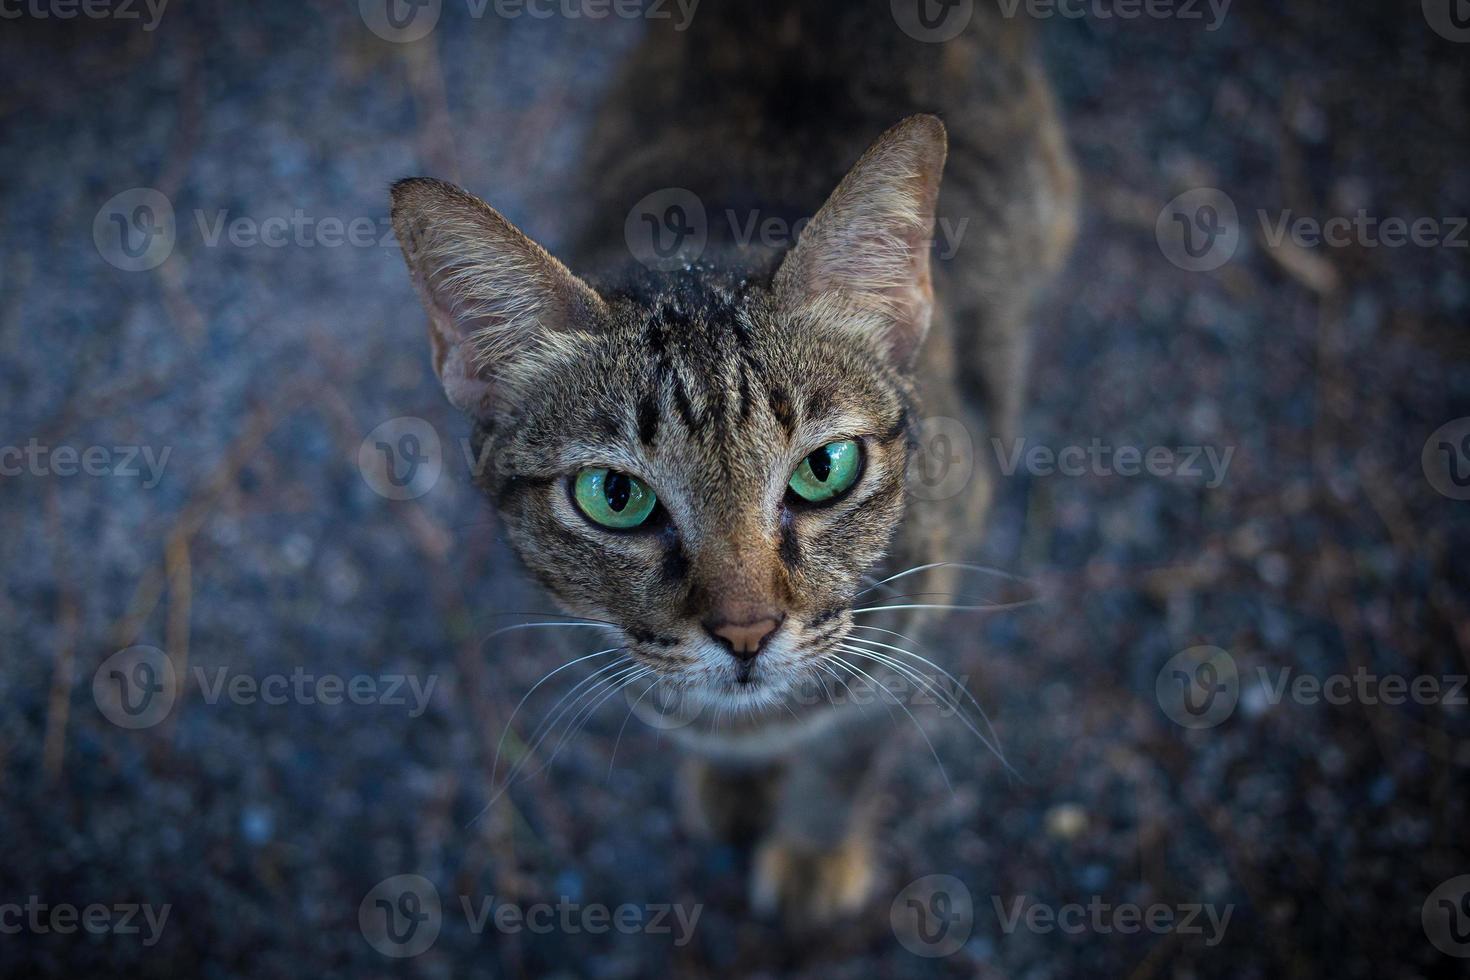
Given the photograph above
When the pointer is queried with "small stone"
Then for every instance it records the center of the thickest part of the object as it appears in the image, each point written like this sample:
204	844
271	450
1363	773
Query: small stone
1066	821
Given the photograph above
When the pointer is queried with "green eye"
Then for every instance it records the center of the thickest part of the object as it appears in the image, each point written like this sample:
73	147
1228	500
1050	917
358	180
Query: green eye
613	499
827	472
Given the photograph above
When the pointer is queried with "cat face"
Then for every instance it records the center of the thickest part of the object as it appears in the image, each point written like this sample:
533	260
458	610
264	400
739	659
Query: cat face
712	469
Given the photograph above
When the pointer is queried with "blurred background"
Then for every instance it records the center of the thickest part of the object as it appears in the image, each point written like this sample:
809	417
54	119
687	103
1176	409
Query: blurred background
204	324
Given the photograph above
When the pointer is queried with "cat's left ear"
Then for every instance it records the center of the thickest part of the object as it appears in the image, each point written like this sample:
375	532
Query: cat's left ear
499	305
863	260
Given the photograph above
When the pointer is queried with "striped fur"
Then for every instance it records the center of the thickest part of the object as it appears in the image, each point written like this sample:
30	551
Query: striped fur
712	382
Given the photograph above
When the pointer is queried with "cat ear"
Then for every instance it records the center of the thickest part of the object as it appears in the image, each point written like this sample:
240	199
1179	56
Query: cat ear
498	303
864	258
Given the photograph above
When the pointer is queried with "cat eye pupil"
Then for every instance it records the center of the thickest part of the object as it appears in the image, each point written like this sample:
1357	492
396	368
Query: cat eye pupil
618	489
821	464
615	500
828	472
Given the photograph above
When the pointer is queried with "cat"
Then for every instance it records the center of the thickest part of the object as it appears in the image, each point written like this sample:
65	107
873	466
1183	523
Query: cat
713	452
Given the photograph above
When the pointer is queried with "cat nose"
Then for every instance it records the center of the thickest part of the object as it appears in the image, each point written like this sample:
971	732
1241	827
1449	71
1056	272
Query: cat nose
744	640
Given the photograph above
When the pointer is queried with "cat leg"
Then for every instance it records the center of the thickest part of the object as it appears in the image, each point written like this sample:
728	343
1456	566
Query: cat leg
818	864
726	803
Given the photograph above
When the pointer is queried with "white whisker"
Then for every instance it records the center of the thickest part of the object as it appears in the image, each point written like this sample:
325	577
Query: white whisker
546	625
907	671
501	744
627	718
543	730
579	723
929	663
996	572
904	708
989	607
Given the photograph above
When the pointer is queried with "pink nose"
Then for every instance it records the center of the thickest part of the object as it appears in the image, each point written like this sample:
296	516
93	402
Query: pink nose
744	640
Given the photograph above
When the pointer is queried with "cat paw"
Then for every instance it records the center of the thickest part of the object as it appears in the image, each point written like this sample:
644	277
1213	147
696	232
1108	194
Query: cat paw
811	888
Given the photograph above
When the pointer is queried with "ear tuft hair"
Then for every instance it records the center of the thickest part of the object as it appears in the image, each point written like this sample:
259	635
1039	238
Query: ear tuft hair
499	305
864	261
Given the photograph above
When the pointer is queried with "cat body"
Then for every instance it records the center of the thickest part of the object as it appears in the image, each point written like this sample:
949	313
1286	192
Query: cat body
756	313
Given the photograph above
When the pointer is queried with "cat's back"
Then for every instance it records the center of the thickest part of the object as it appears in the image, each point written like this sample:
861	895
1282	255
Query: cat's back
759	106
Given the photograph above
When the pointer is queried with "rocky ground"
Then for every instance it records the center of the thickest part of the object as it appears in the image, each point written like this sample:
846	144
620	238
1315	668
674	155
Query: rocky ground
1321	826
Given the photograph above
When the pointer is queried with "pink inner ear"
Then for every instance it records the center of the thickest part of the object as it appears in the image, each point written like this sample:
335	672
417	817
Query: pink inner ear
864	259
875	271
464	388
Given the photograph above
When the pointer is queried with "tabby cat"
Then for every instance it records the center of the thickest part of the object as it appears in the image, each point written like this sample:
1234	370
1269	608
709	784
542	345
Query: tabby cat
713	453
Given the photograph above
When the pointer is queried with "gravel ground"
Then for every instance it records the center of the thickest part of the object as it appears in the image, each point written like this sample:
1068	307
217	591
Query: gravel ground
1323	827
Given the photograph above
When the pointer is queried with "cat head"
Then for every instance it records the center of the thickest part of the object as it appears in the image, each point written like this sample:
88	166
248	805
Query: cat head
710	464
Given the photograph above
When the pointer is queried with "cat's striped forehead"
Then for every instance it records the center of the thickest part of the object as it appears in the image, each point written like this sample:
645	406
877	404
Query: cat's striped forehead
718	384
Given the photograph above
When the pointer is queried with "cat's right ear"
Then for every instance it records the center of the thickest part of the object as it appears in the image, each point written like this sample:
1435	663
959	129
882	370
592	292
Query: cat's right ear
499	305
863	261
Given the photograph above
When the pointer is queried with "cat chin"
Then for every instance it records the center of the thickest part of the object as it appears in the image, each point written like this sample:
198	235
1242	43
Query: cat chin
733	696
728	697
